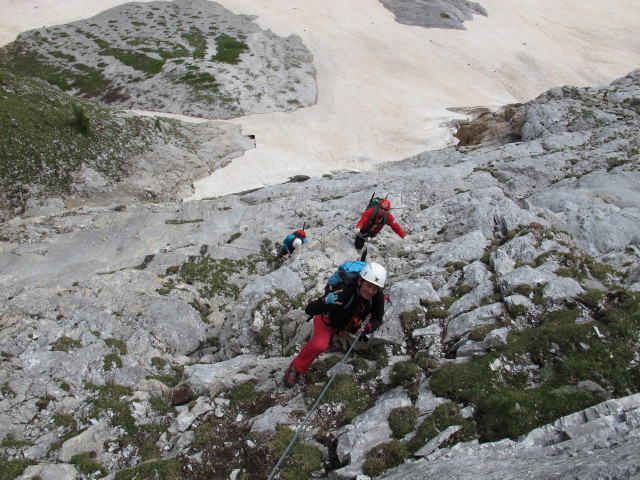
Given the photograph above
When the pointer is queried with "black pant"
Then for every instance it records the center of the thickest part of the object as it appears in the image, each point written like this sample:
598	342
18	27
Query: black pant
361	238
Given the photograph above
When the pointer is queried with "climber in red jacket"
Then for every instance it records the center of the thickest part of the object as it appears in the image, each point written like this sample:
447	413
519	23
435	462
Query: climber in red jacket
372	221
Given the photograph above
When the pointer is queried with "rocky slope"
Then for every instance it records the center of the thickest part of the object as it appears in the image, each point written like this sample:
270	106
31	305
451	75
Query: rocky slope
438	14
146	340
57	146
186	57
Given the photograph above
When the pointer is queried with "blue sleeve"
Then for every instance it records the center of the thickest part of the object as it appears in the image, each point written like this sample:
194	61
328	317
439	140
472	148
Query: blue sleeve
304	240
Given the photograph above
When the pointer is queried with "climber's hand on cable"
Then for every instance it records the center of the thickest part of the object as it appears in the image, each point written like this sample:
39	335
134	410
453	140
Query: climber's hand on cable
366	329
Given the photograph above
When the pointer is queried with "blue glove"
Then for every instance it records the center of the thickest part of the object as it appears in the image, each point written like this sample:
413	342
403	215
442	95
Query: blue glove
331	298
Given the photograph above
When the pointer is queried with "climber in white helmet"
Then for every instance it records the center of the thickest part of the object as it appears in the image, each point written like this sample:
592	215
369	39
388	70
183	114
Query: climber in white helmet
291	242
345	307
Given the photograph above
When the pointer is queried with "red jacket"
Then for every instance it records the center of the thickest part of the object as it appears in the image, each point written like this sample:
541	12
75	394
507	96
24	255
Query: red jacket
372	226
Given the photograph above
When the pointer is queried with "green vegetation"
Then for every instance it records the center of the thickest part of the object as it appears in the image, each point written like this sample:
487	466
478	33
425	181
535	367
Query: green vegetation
110	400
243	393
117	344
86	464
234	237
46	136
404	372
302	459
144	441
67	426
229	50
7	391
200	81
384	457
402	421
197	40
169	379
409	320
144	53
11	442
65	344
214	276
80	120
205	433
24	63
10	469
181	222
136	60
154	470
111	360
345	390
512	402
158	363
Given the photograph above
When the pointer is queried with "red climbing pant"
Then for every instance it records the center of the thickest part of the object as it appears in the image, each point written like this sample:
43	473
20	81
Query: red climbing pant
322	333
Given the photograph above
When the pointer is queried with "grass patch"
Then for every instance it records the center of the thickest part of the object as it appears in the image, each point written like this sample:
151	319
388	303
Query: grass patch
136	60
243	393
117	345
182	222
200	81
65	344
11	442
443	416
354	398
229	50
169	379
10	469
197	40
86	464
383	457
402	421
301	461
110	402
510	402
46	136
154	470
111	360
144	441
213	276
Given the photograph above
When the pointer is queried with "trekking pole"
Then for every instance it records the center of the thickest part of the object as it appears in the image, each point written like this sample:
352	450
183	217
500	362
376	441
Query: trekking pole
313	408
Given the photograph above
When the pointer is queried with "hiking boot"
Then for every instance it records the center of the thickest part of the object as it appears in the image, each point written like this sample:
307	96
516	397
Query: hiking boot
291	376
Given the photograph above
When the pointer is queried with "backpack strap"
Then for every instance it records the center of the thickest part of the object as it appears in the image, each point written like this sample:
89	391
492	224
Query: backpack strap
372	218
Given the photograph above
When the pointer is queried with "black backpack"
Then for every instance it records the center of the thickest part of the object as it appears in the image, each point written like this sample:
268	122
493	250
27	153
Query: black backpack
345	278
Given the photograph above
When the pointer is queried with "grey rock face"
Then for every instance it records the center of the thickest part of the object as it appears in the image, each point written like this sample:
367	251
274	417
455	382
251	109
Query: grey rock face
599	442
186	57
366	431
213	378
104	294
62	471
434	14
466	322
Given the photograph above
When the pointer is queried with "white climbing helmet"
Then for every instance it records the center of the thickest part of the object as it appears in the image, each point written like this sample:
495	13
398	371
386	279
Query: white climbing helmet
297	242
374	273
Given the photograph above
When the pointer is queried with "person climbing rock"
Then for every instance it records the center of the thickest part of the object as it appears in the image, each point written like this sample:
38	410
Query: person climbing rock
291	242
344	309
374	218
